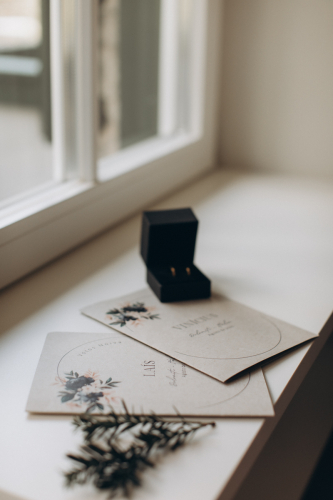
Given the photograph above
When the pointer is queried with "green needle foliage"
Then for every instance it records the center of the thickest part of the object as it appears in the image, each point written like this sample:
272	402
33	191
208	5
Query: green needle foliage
117	448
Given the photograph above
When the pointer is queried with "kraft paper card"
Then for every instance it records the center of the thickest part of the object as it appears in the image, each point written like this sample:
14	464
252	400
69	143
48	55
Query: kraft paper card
216	336
89	372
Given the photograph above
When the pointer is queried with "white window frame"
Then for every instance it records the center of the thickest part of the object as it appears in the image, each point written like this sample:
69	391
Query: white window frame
40	228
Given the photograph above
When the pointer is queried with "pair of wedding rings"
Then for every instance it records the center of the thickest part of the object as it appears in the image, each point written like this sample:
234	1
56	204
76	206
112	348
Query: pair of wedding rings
174	274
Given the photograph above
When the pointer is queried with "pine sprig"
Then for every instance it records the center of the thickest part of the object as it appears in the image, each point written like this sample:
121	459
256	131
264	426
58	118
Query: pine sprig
118	447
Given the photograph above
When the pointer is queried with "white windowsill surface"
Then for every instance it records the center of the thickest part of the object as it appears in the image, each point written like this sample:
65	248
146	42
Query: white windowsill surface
265	241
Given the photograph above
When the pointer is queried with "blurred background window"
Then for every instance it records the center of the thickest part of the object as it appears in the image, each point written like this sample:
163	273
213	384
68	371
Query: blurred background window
143	63
91	90
142	90
25	97
128	45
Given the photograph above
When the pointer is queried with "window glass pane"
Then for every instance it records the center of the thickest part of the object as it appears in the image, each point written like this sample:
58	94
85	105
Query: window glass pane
128	79
25	104
68	27
143	48
138	62
109	107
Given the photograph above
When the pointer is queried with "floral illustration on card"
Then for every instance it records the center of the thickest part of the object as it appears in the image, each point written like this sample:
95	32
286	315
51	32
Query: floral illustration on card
87	392
134	314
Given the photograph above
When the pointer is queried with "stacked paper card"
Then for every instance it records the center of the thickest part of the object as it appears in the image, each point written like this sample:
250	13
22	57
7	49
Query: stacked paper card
198	358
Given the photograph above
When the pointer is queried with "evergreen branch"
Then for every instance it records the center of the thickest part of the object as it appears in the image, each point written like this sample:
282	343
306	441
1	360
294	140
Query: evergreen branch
119	447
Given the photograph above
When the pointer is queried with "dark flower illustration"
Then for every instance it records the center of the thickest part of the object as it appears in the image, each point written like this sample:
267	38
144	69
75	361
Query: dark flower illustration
87	390
91	397
139	309
75	384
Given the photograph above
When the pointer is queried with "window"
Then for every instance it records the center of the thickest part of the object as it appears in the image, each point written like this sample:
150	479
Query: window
25	120
134	93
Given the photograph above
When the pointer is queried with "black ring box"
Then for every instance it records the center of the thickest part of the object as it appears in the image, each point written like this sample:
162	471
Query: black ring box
167	247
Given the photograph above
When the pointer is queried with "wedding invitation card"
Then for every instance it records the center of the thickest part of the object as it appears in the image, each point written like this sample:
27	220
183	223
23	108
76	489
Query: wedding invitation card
216	336
92	372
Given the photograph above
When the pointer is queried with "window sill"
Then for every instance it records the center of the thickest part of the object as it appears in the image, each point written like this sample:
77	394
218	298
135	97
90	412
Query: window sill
65	216
265	258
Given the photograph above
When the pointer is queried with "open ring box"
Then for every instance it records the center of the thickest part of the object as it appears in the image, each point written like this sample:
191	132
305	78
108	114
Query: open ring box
167	247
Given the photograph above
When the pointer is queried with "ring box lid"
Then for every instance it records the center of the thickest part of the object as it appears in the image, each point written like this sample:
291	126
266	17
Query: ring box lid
168	237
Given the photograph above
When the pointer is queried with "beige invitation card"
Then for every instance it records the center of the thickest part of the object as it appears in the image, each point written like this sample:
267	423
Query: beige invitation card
216	336
90	372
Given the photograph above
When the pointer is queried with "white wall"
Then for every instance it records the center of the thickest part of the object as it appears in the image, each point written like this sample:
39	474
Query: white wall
277	109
